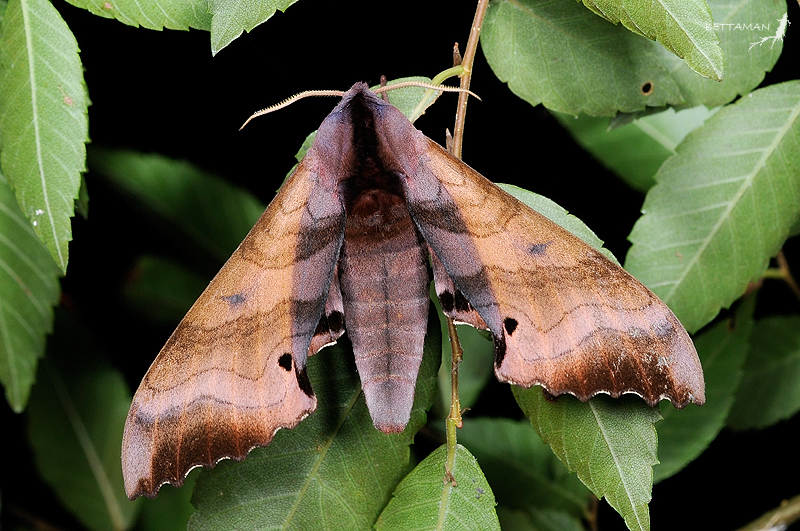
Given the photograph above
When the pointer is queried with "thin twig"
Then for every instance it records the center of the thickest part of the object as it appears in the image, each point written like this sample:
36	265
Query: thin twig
467	62
454	417
454	420
786	273
781	517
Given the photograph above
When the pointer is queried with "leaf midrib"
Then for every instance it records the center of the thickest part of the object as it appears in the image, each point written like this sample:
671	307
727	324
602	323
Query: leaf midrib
26	24
617	461
312	474
735	201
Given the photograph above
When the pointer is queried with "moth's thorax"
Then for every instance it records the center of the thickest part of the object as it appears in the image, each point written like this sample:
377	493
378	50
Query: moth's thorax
371	183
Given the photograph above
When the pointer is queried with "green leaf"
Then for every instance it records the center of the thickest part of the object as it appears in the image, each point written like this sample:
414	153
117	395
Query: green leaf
522	470
723	205
76	417
28	291
152	14
425	500
769	392
161	290
610	443
737	25
195	206
684	435
333	471
635	151
170	510
683	27
231	17
561	55
412	101
43	119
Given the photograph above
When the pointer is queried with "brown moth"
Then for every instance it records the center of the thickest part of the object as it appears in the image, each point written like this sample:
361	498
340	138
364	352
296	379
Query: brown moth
347	244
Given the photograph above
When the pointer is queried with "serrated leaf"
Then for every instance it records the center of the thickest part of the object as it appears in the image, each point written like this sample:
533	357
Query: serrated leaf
28	291
563	56
231	17
770	389
198	207
76	416
681	26
424	500
723	205
522	470
152	14
43	119
735	24
333	471
684	434
610	443
635	151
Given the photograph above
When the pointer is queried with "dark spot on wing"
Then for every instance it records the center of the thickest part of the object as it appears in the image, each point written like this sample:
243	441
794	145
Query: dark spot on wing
462	304
447	300
539	249
330	323
235	300
336	321
304	382
499	350
510	325
663	329
285	361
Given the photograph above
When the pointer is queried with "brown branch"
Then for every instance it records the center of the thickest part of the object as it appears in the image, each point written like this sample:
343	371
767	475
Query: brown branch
786	274
781	517
467	62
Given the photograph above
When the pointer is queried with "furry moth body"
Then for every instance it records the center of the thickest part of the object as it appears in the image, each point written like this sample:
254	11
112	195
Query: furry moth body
346	245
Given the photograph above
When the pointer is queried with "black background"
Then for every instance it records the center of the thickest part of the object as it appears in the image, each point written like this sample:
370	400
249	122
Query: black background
163	92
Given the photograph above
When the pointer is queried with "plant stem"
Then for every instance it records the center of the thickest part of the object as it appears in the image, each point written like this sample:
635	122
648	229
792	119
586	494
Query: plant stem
779	518
782	272
454	417
783	264
467	62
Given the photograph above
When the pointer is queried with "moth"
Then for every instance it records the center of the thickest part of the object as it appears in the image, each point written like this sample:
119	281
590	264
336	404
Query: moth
350	243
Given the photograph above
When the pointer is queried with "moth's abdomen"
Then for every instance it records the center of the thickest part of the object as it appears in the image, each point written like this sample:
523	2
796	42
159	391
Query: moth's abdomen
384	281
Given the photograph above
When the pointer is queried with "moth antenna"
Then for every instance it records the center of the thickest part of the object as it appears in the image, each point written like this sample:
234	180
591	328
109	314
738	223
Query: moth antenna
289	101
441	88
